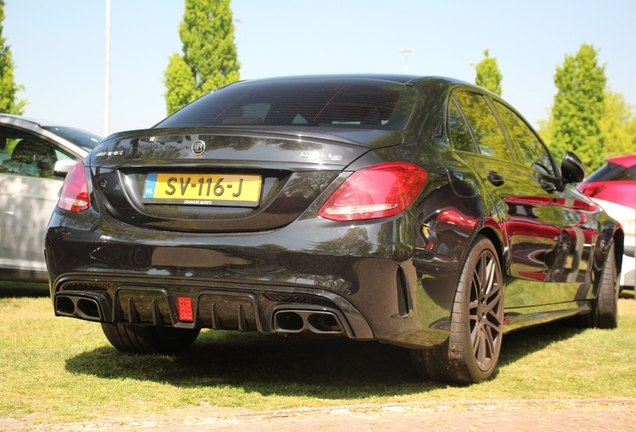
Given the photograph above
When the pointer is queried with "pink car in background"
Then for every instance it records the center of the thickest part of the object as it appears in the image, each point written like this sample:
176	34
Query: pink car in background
614	182
613	186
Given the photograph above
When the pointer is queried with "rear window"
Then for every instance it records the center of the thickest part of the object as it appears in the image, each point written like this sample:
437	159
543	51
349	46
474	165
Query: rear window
84	139
611	172
370	104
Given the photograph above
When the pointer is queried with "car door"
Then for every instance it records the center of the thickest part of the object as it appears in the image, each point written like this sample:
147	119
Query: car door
28	195
520	199
571	232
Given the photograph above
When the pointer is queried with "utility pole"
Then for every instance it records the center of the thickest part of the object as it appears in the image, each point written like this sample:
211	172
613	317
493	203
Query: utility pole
107	74
406	52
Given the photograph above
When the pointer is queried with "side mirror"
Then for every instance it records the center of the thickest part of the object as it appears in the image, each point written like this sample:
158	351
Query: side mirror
572	168
62	167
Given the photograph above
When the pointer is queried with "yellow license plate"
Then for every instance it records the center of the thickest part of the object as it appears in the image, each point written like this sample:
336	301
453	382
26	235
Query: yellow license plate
203	189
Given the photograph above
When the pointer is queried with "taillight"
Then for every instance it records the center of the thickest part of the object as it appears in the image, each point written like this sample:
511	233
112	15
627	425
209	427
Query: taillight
375	192
74	196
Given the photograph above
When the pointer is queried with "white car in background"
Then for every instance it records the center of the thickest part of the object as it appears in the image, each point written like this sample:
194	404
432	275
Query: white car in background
34	158
627	218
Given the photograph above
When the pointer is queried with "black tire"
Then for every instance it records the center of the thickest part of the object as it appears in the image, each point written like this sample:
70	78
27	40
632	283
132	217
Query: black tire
146	340
472	351
604	312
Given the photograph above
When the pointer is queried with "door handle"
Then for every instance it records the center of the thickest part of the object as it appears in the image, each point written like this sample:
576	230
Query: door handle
495	178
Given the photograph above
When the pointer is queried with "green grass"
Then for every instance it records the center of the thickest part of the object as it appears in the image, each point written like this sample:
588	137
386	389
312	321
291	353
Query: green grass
63	369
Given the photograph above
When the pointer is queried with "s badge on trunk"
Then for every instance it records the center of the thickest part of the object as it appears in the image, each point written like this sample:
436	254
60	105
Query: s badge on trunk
198	147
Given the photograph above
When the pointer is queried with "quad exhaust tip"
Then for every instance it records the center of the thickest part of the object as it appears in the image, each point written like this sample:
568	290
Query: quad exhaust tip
79	307
298	321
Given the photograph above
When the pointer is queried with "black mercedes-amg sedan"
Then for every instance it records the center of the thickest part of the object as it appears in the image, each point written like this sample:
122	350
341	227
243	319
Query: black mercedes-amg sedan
418	211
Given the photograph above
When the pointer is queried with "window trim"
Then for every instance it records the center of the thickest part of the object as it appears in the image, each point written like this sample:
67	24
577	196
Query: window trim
555	166
463	119
513	154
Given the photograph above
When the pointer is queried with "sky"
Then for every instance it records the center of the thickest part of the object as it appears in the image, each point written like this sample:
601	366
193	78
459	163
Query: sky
59	47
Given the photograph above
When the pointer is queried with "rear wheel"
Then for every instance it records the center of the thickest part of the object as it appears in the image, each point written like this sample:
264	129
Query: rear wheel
604	312
471	353
145	339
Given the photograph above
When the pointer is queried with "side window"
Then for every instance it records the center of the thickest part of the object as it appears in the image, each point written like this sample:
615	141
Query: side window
489	136
631	173
625	174
531	150
27	155
458	131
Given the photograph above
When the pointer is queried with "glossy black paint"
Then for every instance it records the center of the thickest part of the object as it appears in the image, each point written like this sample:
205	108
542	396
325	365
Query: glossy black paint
390	279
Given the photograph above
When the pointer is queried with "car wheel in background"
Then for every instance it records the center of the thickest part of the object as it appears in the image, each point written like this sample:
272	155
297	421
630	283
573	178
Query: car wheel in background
145	339
471	353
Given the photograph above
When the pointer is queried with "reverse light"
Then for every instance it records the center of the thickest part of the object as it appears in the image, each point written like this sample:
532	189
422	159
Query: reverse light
74	196
375	192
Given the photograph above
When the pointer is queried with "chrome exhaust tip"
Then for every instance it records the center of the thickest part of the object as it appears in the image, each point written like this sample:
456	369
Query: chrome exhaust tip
79	307
298	321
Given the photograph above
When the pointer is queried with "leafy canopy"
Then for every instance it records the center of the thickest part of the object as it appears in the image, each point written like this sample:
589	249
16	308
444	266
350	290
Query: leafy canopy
579	106
8	87
618	125
209	58
488	74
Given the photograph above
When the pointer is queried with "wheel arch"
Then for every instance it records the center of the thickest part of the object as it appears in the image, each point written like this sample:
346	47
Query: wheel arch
496	239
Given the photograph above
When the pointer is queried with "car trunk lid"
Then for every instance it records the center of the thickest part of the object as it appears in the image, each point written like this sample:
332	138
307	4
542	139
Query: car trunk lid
222	180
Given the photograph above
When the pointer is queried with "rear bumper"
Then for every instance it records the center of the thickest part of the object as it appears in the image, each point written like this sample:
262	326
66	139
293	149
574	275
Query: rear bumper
221	307
362	281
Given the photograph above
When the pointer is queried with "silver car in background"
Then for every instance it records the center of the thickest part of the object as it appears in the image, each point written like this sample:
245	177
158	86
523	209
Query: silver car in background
34	158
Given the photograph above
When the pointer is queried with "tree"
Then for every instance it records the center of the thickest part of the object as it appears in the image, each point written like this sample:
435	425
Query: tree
8	86
179	83
618	125
488	75
209	57
545	129
579	106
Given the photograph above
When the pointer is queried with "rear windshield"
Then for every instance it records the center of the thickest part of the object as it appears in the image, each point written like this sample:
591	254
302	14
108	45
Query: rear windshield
370	104
84	139
613	172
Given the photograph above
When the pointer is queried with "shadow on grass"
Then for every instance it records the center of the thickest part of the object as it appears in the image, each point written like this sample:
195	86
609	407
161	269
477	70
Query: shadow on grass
328	369
518	344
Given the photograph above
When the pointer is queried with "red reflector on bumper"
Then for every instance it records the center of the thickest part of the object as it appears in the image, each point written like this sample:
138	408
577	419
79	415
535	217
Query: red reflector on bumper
185	309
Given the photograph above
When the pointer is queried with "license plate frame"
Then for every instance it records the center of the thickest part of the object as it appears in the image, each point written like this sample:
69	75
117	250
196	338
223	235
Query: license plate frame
202	189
